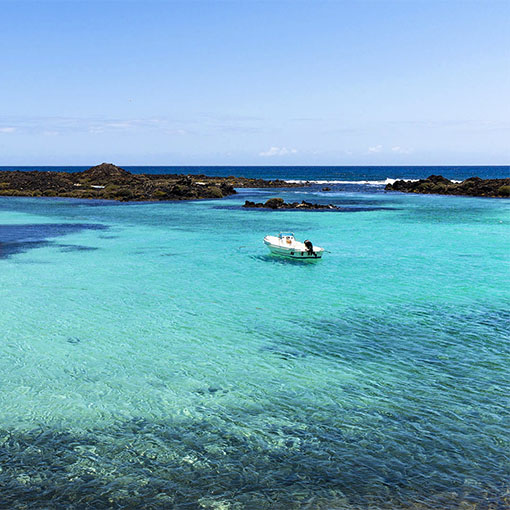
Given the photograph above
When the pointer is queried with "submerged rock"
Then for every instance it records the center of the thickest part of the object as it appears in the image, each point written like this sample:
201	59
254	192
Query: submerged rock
437	184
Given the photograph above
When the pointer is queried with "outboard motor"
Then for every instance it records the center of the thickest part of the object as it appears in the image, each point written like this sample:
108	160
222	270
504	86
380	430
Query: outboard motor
309	248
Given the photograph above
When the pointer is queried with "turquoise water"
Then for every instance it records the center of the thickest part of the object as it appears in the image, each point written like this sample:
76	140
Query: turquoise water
153	355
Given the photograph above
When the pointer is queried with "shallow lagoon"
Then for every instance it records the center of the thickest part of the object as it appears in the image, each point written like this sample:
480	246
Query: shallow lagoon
154	355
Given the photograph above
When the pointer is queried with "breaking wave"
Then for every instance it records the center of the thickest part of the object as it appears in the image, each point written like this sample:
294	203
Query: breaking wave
384	182
366	182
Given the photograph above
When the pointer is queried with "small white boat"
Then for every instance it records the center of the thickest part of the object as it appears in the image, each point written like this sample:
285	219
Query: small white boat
285	245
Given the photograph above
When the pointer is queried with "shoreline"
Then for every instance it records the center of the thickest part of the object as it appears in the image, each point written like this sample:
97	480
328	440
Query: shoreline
110	182
439	185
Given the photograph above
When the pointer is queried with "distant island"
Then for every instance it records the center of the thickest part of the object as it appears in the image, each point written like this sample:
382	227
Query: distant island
437	184
110	182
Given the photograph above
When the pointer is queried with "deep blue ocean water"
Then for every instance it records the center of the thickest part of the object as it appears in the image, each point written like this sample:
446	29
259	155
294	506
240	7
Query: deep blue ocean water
347	173
154	355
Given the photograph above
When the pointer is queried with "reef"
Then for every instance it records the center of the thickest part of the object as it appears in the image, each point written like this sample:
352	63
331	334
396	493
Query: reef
110	182
437	184
279	203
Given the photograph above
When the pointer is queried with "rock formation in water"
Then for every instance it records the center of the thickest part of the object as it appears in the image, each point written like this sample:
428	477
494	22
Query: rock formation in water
279	203
437	184
110	182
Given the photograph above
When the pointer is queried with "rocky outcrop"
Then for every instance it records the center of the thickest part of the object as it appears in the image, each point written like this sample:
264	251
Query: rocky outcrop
279	203
105	172
437	184
110	182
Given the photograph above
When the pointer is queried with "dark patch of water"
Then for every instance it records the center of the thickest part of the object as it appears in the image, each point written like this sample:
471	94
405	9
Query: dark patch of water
283	351
195	464
275	259
21	238
418	333
75	247
211	390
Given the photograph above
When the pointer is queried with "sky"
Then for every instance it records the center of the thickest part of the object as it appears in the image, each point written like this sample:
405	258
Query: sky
296	82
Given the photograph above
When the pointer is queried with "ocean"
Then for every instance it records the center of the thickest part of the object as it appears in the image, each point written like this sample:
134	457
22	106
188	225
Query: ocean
154	355
378	174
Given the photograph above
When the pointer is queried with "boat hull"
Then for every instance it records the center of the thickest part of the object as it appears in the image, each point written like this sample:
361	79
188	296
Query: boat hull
294	251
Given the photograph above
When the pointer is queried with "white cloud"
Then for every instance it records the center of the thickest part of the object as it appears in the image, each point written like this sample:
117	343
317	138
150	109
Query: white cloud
401	150
95	125
121	125
176	132
101	126
278	151
375	148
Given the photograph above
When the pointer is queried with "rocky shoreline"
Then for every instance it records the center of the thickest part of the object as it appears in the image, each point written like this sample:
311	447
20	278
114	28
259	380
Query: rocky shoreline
439	185
110	182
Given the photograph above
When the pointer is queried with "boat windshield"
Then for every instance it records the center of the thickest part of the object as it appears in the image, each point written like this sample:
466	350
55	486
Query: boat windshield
285	234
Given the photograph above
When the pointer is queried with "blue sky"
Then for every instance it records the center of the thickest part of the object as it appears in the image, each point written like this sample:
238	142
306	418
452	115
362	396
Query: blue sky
255	82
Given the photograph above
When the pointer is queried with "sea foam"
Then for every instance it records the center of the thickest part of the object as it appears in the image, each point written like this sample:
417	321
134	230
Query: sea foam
366	182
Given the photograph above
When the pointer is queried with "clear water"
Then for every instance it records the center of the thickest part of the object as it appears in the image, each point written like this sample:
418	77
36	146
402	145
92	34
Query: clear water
153	355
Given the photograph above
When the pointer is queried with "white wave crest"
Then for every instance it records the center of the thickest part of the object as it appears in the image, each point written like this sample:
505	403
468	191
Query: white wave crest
370	183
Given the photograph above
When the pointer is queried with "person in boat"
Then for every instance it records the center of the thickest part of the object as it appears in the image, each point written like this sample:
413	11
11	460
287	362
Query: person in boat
309	248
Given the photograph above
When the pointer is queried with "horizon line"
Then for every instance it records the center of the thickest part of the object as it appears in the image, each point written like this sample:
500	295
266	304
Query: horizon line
262	166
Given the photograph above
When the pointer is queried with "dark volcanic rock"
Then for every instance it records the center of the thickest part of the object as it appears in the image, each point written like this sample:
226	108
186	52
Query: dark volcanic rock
279	203
110	182
106	173
437	184
438	179
34	183
274	203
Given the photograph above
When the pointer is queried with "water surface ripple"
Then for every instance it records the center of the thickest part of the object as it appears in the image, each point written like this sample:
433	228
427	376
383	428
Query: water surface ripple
153	355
